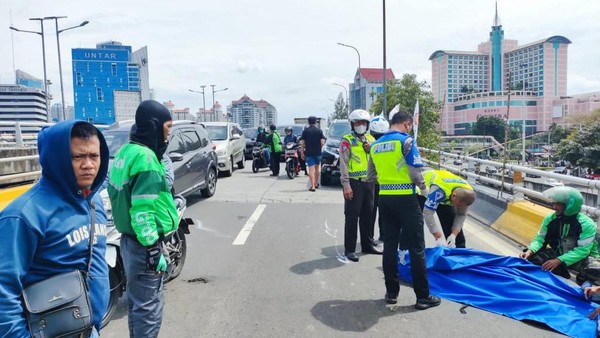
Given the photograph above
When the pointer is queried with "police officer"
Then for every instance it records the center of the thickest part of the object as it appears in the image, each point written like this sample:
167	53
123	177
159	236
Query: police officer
377	127
358	191
396	162
450	197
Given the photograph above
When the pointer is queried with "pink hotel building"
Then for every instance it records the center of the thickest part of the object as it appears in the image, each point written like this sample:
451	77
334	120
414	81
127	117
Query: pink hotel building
473	83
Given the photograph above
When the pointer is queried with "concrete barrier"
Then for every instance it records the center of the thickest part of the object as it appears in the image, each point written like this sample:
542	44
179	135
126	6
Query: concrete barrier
521	221
9	194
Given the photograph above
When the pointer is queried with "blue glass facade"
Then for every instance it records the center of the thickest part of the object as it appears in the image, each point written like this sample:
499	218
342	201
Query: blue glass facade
496	37
97	73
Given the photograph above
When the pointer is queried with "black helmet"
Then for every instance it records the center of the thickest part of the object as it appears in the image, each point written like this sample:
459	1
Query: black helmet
272	127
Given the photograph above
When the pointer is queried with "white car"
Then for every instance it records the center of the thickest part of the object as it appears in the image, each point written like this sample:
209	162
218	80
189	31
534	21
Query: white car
554	182
230	142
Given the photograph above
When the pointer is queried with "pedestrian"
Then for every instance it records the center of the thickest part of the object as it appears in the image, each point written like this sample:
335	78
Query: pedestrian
311	143
47	231
395	162
357	190
274	142
144	212
450	197
378	126
566	237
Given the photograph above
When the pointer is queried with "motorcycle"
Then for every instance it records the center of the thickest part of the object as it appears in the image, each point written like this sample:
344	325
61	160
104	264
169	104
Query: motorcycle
174	250
259	159
292	164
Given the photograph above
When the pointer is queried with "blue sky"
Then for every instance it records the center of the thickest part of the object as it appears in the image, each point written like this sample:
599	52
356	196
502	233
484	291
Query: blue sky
285	51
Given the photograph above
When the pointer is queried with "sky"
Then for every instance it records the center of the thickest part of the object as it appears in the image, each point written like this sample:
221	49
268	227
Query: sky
286	51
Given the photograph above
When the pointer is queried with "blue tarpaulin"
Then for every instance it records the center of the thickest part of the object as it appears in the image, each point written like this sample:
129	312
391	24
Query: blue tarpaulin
509	286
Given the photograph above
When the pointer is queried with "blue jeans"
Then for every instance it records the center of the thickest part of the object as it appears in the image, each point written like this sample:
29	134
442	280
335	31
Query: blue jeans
144	291
268	155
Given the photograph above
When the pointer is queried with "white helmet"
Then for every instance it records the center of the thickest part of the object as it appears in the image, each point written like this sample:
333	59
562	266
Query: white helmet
379	125
359	115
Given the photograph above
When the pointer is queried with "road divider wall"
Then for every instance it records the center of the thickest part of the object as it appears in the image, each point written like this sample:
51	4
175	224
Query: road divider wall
9	194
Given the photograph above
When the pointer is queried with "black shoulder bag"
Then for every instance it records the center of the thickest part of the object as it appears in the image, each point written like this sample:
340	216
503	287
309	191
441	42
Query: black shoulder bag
59	306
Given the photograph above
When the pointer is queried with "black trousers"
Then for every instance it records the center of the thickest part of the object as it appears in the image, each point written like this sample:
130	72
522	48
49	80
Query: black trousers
446	214
402	217
357	211
374	215
275	162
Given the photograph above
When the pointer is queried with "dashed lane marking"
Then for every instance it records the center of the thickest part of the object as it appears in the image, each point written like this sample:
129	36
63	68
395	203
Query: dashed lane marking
245	232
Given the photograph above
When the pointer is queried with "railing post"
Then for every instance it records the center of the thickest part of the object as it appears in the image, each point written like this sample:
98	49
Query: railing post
18	135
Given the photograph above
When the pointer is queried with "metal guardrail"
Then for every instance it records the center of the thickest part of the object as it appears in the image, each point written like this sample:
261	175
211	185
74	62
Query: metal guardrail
509	187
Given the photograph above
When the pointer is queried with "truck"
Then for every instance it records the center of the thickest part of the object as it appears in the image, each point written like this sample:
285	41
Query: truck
304	121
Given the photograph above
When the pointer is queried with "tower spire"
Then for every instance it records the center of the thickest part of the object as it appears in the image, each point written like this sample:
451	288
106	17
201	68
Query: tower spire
497	18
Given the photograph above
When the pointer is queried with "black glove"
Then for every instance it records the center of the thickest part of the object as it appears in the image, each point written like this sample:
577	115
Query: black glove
155	261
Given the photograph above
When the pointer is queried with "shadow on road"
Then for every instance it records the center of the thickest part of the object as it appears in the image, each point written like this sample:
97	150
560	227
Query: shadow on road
330	261
355	315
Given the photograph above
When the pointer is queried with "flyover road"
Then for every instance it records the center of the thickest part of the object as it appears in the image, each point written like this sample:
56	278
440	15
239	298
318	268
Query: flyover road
284	277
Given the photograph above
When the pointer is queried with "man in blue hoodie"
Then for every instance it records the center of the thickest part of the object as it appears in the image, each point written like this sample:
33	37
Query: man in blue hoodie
46	230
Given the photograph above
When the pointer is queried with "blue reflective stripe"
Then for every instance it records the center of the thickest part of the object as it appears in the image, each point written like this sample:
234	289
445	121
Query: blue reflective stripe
358	173
396	186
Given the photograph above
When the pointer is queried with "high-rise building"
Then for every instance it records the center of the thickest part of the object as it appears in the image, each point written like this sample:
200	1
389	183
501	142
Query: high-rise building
474	83
27	80
56	112
249	113
22	104
109	82
368	82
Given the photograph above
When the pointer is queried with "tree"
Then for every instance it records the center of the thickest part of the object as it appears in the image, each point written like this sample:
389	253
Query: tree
582	147
405	93
489	125
340	109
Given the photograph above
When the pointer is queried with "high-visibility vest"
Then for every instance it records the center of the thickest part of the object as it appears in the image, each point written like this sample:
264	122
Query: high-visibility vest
446	181
390	163
359	160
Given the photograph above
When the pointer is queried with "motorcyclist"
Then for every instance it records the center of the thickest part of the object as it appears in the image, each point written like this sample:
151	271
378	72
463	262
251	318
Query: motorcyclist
262	139
289	136
566	237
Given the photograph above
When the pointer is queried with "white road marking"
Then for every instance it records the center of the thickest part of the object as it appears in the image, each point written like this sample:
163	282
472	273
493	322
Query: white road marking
245	232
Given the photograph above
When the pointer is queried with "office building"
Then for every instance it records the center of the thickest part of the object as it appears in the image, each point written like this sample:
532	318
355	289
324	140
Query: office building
56	112
474	83
108	81
22	104
368	82
28	81
250	114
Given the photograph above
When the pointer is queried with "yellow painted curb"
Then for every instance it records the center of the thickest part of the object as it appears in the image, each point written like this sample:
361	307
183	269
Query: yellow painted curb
521	221
9	194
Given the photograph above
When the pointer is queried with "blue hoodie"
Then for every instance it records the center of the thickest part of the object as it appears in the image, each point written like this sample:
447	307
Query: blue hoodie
45	231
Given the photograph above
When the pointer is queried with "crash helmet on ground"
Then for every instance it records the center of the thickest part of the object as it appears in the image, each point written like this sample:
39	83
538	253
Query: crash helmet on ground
570	197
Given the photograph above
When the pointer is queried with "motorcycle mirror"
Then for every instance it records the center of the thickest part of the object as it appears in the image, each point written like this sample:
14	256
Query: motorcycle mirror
235	137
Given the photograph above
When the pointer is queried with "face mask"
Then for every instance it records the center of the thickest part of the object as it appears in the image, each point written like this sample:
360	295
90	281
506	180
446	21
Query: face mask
360	129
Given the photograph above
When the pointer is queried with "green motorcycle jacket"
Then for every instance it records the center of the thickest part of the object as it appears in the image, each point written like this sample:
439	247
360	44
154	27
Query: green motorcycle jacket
142	204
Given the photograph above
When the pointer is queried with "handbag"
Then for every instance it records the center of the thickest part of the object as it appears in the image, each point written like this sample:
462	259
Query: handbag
60	306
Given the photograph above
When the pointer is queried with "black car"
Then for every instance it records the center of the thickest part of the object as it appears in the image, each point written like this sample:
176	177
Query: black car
250	135
190	149
330	166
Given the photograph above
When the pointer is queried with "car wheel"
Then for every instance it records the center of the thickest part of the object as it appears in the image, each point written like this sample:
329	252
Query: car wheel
211	184
241	163
230	171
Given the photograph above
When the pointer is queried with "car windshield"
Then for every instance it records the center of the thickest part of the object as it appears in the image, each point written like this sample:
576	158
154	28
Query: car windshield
338	130
250	133
217	133
115	140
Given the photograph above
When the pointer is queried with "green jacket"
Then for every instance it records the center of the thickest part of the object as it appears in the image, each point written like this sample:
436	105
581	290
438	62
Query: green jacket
275	142
573	238
142	204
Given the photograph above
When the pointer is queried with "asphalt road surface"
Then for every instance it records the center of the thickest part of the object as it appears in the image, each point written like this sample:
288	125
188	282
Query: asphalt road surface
265	260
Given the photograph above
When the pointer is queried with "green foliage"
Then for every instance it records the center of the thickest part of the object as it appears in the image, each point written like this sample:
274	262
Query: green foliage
405	92
582	148
489	125
340	109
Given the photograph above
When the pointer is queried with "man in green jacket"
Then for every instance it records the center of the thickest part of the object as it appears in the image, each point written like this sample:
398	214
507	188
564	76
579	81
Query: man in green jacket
566	237
144	212
274	143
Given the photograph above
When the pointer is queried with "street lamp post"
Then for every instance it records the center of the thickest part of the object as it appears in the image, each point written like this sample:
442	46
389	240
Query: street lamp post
213	99
358	53
384	67
523	113
203	101
346	90
62	90
41	20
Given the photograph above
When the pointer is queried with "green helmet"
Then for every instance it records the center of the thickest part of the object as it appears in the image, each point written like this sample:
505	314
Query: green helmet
568	196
